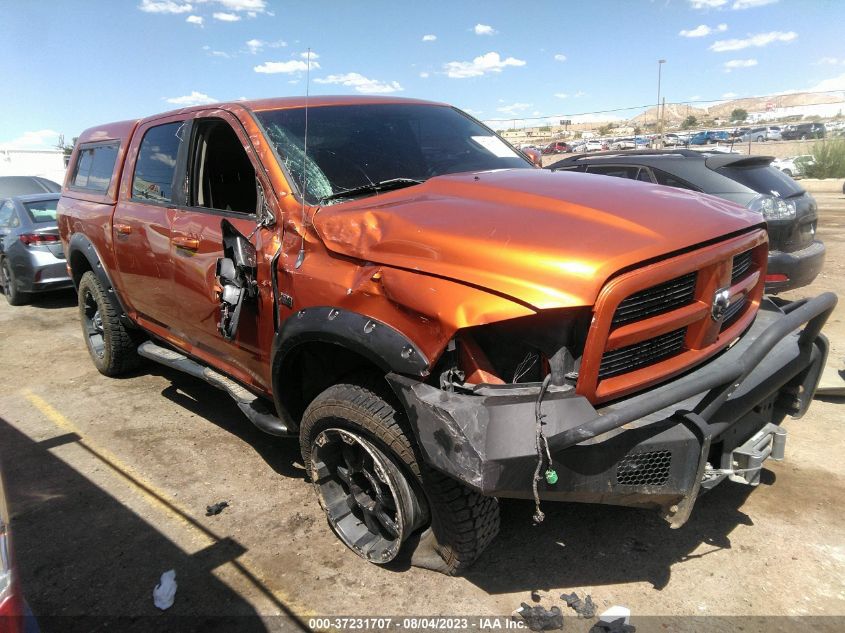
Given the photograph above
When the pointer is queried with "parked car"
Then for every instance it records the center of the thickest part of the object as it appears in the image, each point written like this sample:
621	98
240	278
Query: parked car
699	138
803	131
795	257
15	616
22	185
761	134
556	147
409	296
672	140
795	166
623	143
31	255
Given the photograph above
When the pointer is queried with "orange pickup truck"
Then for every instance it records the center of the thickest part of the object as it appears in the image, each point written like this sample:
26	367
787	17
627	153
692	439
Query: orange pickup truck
440	323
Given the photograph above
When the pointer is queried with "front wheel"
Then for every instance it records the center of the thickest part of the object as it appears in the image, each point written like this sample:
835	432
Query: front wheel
14	296
379	497
110	344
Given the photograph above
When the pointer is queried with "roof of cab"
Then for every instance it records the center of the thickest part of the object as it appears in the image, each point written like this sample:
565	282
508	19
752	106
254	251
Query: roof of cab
123	129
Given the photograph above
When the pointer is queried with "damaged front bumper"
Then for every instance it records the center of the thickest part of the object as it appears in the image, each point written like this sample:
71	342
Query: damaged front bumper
655	449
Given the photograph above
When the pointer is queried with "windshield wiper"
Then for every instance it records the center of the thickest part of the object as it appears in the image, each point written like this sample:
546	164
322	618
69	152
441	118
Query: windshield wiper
373	187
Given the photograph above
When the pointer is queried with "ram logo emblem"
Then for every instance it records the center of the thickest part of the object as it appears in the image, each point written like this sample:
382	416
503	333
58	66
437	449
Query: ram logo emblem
721	301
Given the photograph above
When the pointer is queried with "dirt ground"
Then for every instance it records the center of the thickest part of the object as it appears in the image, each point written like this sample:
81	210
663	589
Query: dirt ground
109	480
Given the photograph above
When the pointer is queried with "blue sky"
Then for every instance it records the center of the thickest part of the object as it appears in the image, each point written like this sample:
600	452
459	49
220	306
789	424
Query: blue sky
67	65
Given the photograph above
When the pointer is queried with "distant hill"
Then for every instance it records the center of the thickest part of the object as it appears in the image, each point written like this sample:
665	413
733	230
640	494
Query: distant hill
676	113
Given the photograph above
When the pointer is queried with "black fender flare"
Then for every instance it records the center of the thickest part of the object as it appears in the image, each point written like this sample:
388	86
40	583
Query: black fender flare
79	243
380	343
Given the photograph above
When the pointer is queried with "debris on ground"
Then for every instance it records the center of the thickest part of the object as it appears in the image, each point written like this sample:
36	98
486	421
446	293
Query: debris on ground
538	618
614	620
217	508
615	626
535	596
585	608
165	591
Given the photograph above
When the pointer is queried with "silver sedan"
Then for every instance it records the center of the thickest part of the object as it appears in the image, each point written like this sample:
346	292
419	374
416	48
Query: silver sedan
31	255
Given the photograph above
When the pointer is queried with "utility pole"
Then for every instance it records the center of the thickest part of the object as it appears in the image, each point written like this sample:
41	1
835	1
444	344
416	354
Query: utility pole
660	63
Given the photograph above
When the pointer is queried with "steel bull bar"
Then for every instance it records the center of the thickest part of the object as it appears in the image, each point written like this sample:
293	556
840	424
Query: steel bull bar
723	380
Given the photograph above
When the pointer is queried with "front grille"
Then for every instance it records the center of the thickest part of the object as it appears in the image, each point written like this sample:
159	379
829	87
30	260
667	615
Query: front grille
644	469
631	357
733	311
664	297
742	263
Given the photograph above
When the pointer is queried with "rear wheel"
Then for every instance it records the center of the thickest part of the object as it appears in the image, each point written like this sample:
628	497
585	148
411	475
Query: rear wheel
14	296
788	172
110	345
378	495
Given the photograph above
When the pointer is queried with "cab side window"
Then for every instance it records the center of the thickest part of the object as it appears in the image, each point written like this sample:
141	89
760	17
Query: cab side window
221	176
156	166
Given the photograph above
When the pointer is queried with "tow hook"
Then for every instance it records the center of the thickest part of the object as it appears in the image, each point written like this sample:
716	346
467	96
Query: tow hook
747	460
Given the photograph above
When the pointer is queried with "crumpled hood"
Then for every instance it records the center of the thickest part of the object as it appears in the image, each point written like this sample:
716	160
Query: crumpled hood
549	239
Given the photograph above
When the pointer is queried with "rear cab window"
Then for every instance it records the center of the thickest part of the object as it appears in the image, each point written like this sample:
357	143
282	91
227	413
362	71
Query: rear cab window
94	166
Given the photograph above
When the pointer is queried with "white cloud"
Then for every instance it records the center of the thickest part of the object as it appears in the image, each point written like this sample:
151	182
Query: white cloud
560	57
702	30
739	63
361	84
38	139
255	45
309	55
164	6
225	17
758	40
195	98
695	97
194	19
739	5
481	65
514	108
244	5
830	61
429	38
834	83
222	54
484	29
561	95
707	4
425	75
293	66
580	93
729	95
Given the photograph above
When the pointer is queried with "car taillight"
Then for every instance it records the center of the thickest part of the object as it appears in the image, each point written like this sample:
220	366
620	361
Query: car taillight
776	277
38	239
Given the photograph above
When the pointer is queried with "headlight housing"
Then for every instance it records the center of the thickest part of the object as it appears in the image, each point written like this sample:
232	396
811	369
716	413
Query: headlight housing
773	208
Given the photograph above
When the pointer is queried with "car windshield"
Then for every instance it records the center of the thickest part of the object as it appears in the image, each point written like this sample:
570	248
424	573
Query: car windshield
360	148
764	179
42	210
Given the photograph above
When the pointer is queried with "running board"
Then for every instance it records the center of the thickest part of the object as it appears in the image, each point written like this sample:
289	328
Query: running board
253	407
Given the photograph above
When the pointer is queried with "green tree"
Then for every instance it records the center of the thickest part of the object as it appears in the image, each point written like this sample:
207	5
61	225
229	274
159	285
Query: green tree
689	122
604	130
739	115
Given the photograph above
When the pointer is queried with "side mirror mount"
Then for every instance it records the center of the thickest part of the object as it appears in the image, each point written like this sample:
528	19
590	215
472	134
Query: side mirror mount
264	214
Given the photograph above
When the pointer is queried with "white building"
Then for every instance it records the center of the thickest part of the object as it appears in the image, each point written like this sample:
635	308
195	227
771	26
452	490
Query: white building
46	163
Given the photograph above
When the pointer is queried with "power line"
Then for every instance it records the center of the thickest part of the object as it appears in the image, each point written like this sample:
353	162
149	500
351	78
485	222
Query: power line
650	105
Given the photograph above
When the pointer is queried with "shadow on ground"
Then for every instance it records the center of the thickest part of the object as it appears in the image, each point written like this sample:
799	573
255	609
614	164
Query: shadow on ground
87	562
580	544
197	396
54	300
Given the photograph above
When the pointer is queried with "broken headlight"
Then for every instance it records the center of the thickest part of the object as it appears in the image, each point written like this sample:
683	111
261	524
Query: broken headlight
520	351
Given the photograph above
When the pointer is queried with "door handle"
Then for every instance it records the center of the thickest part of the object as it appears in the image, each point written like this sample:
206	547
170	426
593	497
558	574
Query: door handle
188	243
123	229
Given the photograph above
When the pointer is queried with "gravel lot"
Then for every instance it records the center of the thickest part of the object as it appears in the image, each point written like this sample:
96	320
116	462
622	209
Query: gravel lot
109	481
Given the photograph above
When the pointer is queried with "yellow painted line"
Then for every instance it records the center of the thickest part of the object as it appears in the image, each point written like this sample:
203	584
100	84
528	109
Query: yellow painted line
160	500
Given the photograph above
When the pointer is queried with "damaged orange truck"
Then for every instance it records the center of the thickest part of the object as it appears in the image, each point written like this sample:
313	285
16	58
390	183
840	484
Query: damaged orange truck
440	323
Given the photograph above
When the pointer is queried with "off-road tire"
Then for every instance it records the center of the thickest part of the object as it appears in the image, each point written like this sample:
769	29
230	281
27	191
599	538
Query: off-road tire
119	351
463	522
7	278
